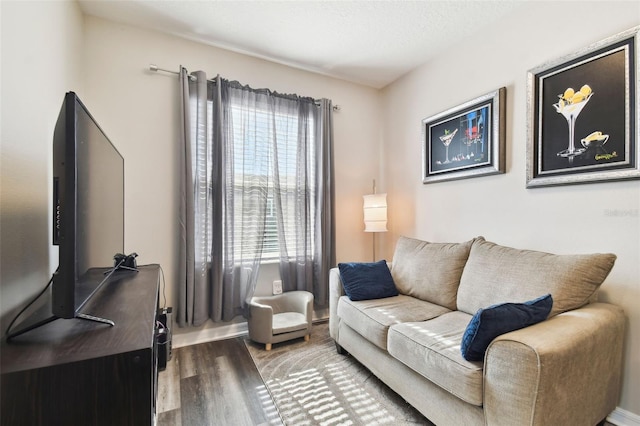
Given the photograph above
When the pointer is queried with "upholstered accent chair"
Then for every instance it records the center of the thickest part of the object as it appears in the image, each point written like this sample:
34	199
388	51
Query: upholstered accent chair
275	319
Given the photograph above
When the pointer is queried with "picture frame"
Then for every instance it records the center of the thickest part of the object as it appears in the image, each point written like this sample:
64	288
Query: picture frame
465	141
582	124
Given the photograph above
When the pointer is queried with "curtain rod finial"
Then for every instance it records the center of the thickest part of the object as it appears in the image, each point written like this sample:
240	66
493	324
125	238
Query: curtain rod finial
153	67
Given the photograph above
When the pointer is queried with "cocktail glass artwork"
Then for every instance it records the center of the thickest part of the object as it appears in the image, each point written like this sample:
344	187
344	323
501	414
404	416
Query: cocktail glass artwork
473	136
468	140
570	104
595	140
446	141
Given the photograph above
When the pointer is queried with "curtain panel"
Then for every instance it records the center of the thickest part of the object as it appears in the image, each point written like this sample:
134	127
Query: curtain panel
193	291
256	171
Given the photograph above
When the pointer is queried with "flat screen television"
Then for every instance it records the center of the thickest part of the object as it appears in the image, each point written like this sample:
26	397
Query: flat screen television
88	214
88	201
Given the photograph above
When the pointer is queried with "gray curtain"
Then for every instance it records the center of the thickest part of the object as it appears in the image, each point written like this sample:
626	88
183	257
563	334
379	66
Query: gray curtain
325	241
244	180
307	248
235	161
195	202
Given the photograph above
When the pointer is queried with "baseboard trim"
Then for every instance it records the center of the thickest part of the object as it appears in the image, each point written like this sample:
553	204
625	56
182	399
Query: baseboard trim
622	417
210	334
222	332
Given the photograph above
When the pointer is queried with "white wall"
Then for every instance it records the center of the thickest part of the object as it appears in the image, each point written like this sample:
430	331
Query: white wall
568	219
139	111
44	55
41	59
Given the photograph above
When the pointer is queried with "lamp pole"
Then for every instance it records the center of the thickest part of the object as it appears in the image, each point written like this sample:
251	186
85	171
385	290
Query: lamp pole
375	215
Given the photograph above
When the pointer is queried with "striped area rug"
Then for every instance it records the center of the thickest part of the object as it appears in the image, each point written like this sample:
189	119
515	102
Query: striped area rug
311	384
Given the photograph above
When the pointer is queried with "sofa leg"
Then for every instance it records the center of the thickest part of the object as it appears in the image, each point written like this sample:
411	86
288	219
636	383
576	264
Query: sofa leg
340	349
307	337
267	346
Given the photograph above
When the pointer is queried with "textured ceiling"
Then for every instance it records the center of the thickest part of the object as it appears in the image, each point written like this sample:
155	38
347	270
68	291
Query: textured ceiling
368	42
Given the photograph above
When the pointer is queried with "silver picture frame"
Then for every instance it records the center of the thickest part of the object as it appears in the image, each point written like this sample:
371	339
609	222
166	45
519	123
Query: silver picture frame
582	115
465	141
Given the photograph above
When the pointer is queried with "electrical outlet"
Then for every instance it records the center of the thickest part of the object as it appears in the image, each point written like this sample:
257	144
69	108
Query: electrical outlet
277	287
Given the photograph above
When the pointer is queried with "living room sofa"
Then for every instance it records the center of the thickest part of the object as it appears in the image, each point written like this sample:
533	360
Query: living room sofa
563	370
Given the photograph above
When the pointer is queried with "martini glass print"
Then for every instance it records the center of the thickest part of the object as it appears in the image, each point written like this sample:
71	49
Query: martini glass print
473	134
570	105
446	140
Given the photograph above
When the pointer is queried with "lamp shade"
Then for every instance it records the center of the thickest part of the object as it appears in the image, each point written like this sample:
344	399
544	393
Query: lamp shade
375	213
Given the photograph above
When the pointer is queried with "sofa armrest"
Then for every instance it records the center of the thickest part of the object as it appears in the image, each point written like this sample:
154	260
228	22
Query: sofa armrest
532	375
300	301
260	322
336	291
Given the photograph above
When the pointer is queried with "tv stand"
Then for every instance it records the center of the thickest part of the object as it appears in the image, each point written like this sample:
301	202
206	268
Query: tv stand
46	320
32	325
43	316
96	319
69	372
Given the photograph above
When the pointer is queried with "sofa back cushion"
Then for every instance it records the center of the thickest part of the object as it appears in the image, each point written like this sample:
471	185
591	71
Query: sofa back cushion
429	271
498	274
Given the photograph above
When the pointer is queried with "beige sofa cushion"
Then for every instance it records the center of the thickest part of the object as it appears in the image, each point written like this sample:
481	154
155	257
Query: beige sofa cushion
429	271
432	348
498	274
372	318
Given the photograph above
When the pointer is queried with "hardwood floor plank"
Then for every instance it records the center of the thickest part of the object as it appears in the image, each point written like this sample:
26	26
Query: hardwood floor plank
196	359
168	397
170	418
195	403
247	384
214	383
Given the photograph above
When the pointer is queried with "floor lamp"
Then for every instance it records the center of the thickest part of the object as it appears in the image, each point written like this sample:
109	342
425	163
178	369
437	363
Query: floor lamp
375	215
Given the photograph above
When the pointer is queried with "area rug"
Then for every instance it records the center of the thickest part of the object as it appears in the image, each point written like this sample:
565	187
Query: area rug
311	384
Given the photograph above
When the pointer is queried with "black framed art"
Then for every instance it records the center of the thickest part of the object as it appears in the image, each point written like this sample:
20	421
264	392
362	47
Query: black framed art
465	141
582	115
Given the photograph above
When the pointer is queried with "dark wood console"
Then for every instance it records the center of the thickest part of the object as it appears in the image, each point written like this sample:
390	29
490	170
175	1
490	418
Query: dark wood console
78	372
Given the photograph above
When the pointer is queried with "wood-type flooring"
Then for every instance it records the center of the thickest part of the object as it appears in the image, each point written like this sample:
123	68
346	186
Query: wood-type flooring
213	383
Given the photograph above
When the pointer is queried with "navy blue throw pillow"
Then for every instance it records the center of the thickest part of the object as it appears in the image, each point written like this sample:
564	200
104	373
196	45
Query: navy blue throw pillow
363	281
489	323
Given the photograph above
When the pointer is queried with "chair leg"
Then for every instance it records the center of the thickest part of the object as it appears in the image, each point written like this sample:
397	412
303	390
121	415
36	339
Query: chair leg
267	346
307	337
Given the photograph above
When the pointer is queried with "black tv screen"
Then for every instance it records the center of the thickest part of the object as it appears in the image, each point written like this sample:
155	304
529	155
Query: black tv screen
88	196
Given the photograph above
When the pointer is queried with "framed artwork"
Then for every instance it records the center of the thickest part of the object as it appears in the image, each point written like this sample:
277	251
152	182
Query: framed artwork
465	141
582	115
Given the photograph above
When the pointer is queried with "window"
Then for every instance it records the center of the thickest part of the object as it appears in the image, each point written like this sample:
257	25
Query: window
260	168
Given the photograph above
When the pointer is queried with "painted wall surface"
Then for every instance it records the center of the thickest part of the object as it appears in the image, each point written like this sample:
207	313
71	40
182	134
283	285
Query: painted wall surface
48	48
41	59
602	217
139	111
